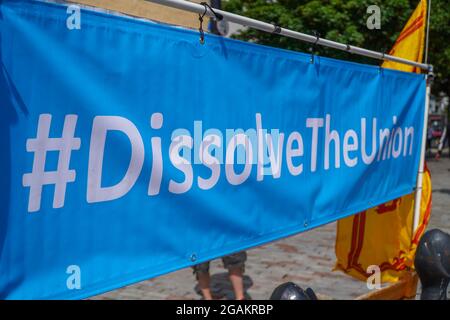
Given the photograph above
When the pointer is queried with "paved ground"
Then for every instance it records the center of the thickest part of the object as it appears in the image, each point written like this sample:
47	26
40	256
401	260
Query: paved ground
306	259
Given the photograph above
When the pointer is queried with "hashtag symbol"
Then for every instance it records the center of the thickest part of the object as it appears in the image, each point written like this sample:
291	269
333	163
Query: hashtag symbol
40	146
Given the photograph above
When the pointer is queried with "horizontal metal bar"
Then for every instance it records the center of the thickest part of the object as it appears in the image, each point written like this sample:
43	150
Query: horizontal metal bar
267	27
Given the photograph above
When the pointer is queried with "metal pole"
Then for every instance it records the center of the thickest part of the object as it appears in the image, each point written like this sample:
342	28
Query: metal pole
418	192
270	28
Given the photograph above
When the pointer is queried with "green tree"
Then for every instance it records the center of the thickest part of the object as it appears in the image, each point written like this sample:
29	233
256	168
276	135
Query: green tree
345	21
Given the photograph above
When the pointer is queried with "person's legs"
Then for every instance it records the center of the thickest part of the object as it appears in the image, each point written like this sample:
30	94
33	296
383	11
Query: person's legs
441	145
237	282
202	273
235	263
428	147
203	283
447	140
444	140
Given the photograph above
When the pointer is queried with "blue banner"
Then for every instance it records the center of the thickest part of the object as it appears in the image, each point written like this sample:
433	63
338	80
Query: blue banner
130	150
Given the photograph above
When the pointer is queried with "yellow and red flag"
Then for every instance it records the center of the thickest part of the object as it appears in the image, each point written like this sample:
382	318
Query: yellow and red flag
411	41
383	235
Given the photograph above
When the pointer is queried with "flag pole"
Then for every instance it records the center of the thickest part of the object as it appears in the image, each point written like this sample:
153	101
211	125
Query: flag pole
275	29
418	191
419	182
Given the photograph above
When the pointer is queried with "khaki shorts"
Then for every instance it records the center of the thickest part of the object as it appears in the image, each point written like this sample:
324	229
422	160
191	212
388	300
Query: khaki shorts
235	260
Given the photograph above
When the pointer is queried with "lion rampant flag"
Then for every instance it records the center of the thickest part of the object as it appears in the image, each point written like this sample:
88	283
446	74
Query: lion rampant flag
382	236
411	41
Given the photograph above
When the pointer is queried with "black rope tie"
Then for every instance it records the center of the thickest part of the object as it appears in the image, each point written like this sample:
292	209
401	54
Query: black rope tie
217	16
276	29
383	57
313	47
200	29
